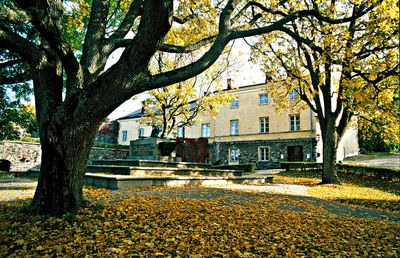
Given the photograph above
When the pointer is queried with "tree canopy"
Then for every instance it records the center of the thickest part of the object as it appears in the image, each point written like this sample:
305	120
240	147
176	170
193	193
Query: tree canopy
340	71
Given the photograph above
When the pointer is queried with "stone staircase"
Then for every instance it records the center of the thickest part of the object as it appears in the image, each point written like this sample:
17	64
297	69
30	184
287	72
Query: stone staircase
156	168
129	173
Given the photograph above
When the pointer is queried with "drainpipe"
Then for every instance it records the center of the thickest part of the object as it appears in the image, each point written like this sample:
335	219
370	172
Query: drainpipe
311	132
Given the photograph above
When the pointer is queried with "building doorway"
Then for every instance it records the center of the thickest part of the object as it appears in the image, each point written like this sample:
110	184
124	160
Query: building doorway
295	153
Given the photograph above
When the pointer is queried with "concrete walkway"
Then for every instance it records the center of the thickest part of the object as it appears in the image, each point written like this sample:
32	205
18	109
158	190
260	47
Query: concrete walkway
12	189
390	160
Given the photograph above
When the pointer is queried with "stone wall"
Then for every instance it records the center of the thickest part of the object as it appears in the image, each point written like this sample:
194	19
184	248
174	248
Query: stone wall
249	151
27	155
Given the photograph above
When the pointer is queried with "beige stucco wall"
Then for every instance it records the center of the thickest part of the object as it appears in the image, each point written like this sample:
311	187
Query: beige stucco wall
248	114
132	127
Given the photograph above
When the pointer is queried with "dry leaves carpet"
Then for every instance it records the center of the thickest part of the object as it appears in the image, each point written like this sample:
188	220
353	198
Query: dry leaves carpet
138	225
355	190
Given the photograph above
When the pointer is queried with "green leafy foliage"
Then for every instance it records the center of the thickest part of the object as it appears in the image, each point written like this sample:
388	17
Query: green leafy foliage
15	117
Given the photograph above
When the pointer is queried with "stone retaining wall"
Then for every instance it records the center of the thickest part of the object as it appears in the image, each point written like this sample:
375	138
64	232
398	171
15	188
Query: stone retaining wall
249	151
27	155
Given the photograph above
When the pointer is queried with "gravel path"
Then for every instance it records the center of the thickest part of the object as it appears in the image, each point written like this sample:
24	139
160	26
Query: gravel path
285	202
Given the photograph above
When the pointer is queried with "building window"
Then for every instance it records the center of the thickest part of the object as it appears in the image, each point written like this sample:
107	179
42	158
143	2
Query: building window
141	133
233	155
124	136
234	127
181	132
293	95
264	124
205	130
295	122
263	99
263	153
234	103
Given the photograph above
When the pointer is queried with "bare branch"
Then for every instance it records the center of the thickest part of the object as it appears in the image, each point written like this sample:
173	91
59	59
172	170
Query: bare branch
134	11
184	20
188	48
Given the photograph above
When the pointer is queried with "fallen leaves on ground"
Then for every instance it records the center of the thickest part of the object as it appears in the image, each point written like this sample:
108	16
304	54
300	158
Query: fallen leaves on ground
356	190
138	225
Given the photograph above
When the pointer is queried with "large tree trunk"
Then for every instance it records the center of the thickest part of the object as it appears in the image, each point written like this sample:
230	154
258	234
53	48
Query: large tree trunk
65	152
67	132
330	143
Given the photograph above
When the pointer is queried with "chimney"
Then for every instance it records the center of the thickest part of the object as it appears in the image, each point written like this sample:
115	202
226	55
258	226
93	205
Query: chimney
229	83
142	111
268	78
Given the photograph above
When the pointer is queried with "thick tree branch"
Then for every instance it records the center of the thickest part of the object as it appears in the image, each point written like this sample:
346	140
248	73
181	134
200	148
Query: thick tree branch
131	70
185	19
11	63
206	60
258	5
92	57
188	48
18	78
17	44
13	16
47	16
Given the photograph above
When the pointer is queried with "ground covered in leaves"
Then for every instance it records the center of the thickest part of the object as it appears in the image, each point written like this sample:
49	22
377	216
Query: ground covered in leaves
140	225
355	190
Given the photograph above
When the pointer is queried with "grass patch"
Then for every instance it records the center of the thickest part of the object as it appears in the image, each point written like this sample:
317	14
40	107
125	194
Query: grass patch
357	190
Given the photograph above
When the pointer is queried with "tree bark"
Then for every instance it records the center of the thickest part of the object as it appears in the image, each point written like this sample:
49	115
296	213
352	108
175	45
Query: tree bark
65	152
330	144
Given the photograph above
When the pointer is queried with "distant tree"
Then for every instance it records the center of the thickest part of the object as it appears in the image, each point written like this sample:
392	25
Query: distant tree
181	104
340	71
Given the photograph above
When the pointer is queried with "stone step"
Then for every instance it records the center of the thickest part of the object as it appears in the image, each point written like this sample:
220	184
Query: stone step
114	182
158	171
150	163
125	182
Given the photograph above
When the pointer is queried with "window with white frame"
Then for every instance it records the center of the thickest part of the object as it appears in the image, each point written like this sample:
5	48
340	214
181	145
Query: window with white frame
233	155
234	103
141	133
234	127
205	130
263	153
293	95
263	99
124	136
264	124
181	132
294	122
